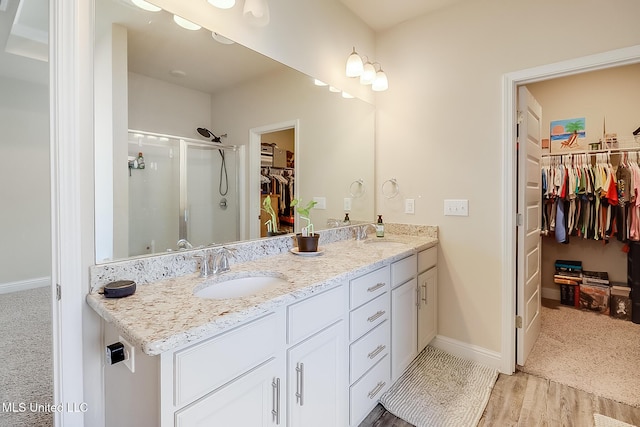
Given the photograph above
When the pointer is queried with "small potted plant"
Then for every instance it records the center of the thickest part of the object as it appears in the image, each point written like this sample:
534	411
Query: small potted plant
272	224
307	238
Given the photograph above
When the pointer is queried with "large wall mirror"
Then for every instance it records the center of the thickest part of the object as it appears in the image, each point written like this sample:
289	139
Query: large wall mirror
156	83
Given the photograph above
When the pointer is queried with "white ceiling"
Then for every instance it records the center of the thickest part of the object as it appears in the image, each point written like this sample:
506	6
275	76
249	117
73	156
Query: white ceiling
383	14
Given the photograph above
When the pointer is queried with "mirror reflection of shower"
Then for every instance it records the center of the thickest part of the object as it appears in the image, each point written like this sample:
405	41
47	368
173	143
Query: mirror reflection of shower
223	187
176	196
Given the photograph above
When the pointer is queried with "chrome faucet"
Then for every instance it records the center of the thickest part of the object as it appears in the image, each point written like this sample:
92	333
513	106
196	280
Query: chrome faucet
184	244
361	231
205	264
221	260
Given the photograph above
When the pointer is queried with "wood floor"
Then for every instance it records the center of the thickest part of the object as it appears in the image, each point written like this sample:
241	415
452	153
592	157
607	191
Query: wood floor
528	401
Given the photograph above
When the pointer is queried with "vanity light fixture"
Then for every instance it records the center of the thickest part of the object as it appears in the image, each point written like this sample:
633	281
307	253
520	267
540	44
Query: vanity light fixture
256	12
354	66
146	6
368	74
222	4
186	24
381	83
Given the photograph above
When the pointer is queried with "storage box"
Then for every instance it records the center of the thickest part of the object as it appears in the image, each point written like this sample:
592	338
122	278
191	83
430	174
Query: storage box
595	297
620	302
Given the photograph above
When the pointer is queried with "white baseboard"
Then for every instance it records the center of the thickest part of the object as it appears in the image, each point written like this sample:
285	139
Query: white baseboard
492	359
551	293
23	285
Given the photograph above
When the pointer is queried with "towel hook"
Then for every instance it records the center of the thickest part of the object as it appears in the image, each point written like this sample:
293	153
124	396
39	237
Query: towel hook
392	190
357	188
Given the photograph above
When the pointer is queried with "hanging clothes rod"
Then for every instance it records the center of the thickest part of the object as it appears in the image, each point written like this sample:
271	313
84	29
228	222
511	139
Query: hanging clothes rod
594	152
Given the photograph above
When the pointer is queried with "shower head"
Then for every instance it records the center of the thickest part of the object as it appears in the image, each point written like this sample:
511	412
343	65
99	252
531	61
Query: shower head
208	134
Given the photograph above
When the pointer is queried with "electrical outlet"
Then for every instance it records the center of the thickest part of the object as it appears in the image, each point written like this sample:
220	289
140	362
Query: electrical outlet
347	204
129	354
456	207
409	206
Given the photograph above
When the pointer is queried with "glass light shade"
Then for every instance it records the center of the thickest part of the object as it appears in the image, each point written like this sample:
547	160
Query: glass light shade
221	39
368	74
319	82
381	82
256	12
347	95
354	65
222	4
186	24
333	89
146	5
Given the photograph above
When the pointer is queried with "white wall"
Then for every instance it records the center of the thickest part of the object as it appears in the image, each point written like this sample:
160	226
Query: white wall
25	220
610	93
439	129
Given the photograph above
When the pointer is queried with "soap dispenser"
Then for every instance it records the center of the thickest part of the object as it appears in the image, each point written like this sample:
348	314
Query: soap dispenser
346	220
380	227
140	160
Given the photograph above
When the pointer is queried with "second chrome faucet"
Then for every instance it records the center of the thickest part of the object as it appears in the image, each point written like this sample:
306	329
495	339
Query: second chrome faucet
215	263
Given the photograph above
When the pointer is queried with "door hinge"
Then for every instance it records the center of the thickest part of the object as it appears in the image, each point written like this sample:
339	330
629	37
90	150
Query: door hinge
519	220
58	292
518	322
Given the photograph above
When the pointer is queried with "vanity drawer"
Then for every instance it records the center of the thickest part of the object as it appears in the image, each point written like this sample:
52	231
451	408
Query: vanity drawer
403	270
210	364
367	317
367	287
314	313
368	350
427	259
364	394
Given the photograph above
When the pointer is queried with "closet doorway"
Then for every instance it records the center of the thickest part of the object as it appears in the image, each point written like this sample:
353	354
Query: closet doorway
273	168
511	185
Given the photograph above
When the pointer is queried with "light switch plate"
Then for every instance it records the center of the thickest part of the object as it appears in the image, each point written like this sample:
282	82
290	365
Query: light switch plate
409	206
347	204
322	202
456	207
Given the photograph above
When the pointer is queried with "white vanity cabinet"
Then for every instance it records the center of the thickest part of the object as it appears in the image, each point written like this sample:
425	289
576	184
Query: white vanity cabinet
404	315
369	342
427	296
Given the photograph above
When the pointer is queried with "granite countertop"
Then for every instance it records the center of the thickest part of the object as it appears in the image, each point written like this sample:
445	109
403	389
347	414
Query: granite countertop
165	315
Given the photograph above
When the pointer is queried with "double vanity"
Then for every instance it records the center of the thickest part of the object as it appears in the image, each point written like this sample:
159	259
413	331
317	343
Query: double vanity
279	339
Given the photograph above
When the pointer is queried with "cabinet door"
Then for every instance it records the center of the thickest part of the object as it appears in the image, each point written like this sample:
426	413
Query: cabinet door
404	327
316	376
255	399
427	307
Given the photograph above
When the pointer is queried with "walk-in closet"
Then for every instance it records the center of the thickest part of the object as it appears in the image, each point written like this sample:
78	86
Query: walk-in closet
590	180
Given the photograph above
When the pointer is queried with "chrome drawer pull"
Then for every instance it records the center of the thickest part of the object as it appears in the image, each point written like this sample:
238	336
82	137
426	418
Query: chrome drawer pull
300	383
376	287
377	389
377	351
424	298
376	316
276	400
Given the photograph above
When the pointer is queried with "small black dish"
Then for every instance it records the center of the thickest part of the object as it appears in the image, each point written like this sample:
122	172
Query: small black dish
119	289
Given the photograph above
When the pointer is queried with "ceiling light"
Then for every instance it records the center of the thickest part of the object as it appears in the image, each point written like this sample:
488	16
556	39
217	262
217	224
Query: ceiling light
354	64
381	82
319	82
222	4
368	74
221	39
186	24
146	5
257	12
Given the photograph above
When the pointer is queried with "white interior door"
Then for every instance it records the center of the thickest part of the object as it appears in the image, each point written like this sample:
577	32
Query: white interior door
529	211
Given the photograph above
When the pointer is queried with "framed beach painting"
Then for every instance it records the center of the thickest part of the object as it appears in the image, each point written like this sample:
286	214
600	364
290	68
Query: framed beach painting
568	135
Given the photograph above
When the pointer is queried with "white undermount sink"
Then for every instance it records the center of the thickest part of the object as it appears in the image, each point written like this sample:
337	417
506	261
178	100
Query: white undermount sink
238	286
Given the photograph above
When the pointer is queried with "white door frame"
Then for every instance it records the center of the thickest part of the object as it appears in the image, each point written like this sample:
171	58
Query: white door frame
510	82
254	168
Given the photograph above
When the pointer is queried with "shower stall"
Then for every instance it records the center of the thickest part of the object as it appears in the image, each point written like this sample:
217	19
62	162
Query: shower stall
180	188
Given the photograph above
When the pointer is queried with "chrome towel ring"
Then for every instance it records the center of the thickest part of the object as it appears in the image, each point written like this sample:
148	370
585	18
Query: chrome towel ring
390	188
357	188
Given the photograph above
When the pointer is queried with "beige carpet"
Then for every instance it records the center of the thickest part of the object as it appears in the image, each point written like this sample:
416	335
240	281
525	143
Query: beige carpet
588	351
440	390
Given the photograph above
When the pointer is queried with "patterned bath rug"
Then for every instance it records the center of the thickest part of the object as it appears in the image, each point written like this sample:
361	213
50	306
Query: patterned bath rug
441	390
602	421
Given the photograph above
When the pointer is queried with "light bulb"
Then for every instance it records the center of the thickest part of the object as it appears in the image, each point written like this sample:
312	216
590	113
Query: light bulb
381	82
146	6
186	24
368	74
222	4
354	64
